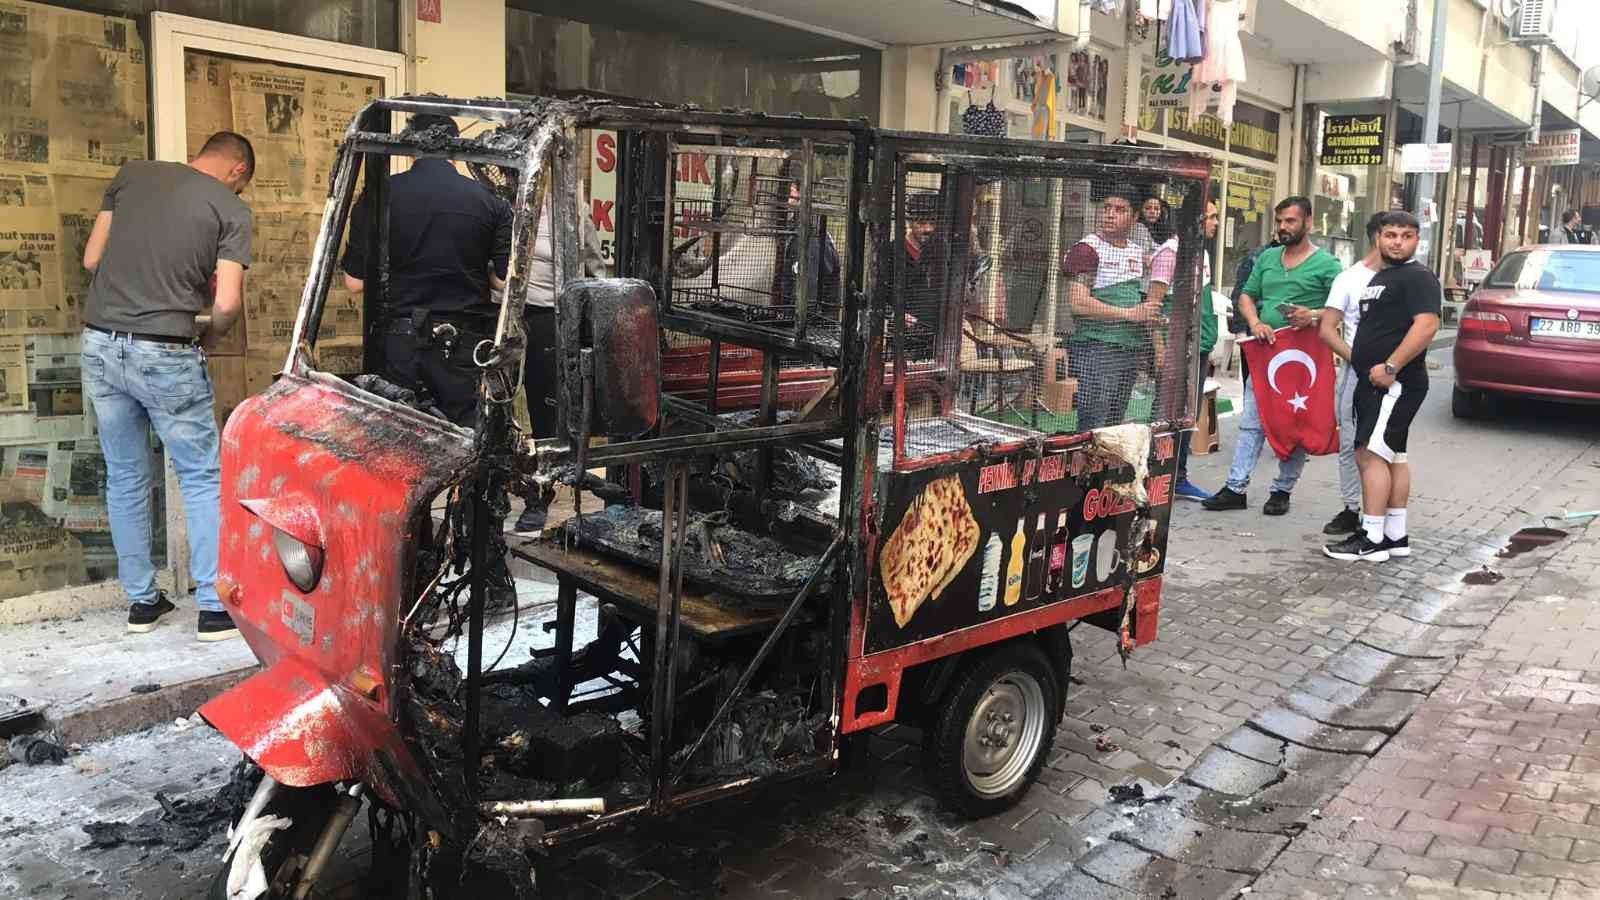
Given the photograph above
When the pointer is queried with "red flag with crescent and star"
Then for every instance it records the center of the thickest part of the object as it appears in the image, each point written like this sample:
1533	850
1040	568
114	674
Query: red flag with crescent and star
1293	379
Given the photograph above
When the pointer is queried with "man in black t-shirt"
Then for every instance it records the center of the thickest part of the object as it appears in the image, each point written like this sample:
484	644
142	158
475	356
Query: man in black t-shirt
449	246
1399	316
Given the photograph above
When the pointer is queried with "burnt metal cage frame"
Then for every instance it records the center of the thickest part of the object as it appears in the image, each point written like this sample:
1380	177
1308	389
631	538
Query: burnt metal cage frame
899	154
538	139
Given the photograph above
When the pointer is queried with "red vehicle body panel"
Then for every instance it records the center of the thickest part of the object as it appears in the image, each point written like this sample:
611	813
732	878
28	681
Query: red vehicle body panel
887	668
324	462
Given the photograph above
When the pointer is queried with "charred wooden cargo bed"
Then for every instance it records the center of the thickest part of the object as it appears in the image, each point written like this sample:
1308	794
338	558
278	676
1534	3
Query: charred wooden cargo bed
835	404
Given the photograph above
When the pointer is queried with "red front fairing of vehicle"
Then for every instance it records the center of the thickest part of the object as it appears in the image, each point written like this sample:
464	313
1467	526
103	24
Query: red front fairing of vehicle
324	462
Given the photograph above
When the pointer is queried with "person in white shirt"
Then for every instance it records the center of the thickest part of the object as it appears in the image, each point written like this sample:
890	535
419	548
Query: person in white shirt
1339	321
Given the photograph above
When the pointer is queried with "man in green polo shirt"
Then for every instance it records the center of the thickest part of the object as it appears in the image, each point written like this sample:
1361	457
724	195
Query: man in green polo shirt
1287	287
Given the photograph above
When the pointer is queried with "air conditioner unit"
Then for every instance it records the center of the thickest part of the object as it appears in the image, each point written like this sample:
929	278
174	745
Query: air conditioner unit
1535	22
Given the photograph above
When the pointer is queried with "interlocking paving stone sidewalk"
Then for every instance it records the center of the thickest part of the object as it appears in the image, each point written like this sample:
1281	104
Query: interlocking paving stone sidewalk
1493	788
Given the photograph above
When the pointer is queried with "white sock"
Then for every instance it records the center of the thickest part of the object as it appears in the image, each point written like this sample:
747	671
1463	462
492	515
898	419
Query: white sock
1394	524
1373	526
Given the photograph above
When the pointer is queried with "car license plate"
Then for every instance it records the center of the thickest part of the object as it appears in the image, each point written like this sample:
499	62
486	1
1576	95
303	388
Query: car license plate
1567	328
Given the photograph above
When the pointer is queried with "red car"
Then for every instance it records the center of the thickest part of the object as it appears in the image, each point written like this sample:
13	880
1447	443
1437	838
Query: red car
1532	329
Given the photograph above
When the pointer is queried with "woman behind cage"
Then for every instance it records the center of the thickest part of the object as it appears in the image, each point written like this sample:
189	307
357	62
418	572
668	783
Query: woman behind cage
1161	261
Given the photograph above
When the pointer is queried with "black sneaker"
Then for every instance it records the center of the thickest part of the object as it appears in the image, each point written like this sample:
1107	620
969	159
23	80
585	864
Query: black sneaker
1400	547
215	626
142	617
1348	521
1276	505
1357	546
1227	498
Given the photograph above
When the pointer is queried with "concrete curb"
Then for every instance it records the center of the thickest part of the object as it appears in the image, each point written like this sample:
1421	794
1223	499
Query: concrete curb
136	712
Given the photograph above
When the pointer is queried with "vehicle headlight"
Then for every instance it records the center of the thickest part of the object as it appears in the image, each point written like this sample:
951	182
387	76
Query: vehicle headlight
301	562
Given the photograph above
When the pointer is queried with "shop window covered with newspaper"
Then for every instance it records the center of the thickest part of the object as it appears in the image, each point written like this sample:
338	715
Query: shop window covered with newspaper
72	109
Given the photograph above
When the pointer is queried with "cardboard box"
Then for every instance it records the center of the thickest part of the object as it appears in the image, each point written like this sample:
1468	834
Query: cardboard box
227	384
1204	440
1059	396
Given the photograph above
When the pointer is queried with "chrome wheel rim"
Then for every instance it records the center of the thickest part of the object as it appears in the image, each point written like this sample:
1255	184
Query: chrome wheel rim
1003	734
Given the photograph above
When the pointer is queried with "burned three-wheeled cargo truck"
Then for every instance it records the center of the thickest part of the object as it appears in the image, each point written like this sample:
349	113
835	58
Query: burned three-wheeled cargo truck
865	426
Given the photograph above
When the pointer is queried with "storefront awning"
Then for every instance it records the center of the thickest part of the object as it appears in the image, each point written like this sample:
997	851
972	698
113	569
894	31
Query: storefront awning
1475	113
881	23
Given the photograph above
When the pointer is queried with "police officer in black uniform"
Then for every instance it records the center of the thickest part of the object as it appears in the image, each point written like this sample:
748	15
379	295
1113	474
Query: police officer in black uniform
449	246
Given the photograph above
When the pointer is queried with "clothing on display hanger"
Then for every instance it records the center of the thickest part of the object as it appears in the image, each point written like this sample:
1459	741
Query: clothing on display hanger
987	121
1183	33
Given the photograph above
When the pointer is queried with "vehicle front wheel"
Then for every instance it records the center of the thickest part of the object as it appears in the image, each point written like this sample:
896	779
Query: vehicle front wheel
991	733
1466	404
287	850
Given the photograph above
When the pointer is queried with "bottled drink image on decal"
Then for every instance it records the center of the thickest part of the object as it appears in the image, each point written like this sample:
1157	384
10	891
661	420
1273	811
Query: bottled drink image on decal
989	580
1055	581
1038	550
1018	561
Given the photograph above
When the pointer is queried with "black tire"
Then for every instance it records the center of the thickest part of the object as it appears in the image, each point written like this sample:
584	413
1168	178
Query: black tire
1466	404
308	809
993	729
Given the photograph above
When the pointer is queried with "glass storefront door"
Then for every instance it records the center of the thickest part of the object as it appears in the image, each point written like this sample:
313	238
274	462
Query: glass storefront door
294	108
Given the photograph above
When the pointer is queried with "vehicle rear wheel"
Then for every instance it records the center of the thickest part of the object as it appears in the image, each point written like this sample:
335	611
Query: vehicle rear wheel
1466	404
991	733
286	851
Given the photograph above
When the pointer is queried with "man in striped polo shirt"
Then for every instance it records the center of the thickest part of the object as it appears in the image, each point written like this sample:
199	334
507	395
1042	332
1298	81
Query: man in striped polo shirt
1111	316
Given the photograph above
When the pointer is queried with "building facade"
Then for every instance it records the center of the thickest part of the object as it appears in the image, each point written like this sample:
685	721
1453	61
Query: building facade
1334	89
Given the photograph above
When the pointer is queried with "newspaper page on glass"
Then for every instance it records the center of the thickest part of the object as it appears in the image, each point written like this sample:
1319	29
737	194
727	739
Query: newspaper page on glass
207	98
77	204
21	189
269	108
30	274
97	120
25	84
56	409
13	376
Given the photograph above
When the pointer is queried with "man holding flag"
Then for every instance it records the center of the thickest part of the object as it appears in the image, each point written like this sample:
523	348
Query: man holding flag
1287	288
1399	316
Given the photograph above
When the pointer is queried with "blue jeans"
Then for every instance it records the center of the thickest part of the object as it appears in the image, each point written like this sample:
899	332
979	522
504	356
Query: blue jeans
133	385
1105	374
1349	474
1252	437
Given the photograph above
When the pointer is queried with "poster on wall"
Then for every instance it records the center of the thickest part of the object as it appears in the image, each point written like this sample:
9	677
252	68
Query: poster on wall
974	544
1352	140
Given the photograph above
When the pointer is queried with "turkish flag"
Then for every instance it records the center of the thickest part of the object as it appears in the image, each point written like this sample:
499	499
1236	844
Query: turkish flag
1294	384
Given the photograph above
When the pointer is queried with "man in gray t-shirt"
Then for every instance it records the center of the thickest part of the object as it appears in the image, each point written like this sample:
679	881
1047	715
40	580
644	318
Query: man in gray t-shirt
170	238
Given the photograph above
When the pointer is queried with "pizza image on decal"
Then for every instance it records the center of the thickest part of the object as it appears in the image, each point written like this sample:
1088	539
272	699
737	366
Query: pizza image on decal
930	546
